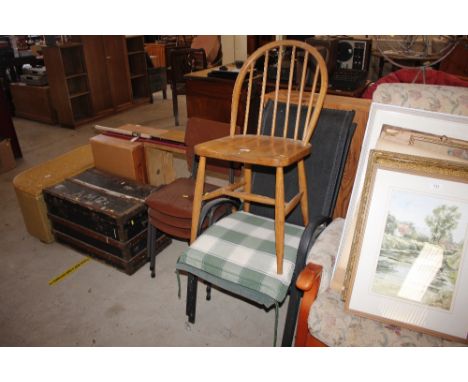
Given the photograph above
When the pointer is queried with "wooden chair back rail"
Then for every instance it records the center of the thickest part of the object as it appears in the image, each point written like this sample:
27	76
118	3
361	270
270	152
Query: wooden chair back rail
301	92
291	96
278	77
247	106
291	76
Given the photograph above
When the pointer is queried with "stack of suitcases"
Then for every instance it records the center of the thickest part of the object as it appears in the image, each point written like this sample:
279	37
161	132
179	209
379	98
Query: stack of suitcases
104	216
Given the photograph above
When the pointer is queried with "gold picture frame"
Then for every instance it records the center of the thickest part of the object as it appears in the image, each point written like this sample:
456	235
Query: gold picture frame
409	257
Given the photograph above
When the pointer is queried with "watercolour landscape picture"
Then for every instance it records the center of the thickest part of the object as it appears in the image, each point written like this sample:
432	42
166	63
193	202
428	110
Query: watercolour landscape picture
422	248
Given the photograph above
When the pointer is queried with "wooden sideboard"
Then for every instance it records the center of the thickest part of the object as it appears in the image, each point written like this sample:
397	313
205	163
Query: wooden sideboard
211	98
33	102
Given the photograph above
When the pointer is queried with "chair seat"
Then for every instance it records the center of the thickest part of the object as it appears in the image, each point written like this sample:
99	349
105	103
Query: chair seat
178	227
240	249
171	225
255	149
158	216
176	198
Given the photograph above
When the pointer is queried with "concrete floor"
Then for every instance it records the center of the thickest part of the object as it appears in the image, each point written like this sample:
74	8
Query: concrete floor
97	305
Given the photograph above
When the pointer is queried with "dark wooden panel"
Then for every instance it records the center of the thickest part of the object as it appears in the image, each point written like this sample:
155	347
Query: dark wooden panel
57	84
33	102
97	73
209	99
457	62
68	83
7	129
117	70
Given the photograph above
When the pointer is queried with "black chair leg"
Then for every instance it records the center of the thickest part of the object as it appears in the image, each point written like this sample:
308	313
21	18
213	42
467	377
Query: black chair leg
151	249
175	108
208	291
164	93
192	284
291	317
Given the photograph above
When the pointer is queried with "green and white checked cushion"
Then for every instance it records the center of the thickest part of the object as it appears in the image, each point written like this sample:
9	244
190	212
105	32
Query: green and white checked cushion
240	249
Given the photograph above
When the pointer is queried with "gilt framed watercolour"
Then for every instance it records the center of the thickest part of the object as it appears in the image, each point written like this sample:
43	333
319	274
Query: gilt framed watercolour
380	115
408	264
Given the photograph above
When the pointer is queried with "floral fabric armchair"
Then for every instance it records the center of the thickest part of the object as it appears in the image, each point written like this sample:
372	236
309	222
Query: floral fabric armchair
322	320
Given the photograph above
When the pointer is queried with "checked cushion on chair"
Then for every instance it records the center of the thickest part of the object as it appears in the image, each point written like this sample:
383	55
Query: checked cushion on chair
240	250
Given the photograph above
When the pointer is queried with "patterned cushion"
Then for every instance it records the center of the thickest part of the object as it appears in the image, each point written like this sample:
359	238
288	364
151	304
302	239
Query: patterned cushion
324	250
329	323
437	98
241	249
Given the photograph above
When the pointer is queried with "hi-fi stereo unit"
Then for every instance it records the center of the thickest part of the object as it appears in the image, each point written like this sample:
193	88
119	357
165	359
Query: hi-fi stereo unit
353	54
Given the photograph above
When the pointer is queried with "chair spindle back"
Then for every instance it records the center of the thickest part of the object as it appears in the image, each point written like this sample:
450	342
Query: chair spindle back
301	63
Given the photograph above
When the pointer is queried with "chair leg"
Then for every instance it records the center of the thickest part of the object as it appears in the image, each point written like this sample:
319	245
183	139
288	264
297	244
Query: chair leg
190	310
279	219
303	190
175	107
197	198
164	93
248	184
151	248
208	291
291	316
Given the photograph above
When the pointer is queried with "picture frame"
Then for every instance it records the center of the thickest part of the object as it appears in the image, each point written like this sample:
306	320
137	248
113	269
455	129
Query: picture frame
409	257
442	124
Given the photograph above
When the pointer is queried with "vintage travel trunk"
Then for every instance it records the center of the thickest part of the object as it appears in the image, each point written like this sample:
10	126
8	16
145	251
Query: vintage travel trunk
104	216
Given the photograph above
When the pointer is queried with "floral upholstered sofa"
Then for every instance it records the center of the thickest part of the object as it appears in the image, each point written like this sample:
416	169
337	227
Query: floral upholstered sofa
322	318
437	98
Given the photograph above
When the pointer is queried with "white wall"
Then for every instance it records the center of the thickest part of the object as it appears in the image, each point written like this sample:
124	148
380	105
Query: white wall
234	48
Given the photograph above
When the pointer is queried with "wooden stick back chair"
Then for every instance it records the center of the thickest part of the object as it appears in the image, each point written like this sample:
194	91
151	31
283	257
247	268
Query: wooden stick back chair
280	67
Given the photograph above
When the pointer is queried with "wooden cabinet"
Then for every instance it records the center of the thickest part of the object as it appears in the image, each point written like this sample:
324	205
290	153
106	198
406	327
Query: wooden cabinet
68	82
211	98
138	70
33	102
108	73
97	76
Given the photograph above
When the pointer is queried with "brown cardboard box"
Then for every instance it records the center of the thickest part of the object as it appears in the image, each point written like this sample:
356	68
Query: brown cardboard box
7	159
30	183
119	157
